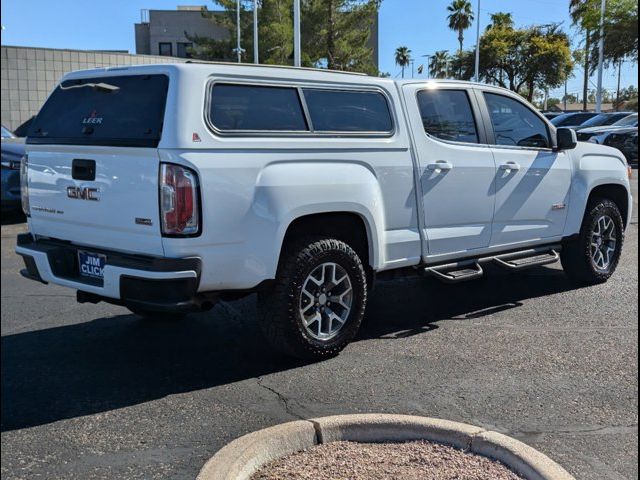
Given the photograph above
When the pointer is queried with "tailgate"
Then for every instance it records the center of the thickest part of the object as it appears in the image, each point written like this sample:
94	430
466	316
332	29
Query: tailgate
117	209
93	161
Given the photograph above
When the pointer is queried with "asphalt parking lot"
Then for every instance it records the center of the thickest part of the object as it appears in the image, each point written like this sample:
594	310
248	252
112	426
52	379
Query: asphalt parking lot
90	391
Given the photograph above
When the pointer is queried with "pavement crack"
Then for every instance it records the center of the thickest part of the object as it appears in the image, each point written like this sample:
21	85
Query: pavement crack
281	398
584	430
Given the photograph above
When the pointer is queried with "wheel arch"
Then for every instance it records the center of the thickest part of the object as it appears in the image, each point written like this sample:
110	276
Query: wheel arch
352	227
616	193
584	189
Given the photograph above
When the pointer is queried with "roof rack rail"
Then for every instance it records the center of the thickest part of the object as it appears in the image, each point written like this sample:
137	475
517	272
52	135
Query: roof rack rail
290	67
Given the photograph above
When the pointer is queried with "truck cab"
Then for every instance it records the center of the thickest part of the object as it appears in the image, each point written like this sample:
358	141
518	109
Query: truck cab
165	188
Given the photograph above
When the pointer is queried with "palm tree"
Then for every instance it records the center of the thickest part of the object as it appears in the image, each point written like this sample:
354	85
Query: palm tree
438	67
403	57
460	18
500	20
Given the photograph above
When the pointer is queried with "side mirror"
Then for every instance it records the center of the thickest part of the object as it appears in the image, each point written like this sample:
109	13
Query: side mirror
566	139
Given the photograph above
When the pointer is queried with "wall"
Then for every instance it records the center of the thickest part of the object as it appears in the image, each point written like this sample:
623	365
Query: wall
28	75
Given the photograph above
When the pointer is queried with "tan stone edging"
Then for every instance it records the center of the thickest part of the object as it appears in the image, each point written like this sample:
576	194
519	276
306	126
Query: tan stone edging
243	457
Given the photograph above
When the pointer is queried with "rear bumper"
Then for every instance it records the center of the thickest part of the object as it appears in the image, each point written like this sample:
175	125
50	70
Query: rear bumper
143	282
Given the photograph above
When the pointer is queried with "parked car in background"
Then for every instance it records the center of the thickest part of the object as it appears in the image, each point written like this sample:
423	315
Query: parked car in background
603	120
552	115
599	134
626	142
572	120
12	152
170	187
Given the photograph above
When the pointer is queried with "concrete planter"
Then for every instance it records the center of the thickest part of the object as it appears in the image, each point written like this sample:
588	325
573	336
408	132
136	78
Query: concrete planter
244	456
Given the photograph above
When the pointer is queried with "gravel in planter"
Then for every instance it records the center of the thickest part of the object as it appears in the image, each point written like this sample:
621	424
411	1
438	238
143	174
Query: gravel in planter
419	460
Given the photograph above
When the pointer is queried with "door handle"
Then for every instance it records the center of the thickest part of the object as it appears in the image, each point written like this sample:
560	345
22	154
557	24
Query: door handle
440	165
510	166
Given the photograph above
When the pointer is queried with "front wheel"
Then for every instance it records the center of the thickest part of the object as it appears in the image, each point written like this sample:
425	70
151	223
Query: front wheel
317	304
594	256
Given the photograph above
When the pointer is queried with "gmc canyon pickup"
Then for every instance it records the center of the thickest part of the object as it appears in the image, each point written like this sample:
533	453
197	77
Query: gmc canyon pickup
164	188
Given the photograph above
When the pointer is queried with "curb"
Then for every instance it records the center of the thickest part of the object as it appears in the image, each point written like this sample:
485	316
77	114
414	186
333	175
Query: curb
244	456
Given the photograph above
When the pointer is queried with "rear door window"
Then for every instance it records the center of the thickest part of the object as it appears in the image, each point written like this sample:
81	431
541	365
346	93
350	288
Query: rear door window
348	111
123	110
253	108
447	114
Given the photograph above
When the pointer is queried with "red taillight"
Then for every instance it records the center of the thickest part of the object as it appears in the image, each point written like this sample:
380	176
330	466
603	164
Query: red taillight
179	208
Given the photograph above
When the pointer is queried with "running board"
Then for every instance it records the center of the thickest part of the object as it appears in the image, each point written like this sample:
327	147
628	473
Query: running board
470	269
522	262
454	273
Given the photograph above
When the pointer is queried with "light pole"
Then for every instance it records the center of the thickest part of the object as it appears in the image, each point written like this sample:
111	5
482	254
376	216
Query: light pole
238	46
256	56
477	73
618	88
603	6
428	64
297	57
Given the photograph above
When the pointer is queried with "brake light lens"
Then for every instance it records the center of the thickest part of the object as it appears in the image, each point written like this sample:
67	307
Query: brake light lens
179	200
24	185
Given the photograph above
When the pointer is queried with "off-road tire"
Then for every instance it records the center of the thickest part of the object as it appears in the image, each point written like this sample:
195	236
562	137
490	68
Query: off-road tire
279	314
576	254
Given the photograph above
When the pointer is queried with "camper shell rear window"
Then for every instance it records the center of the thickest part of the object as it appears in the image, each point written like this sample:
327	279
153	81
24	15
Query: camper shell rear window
123	110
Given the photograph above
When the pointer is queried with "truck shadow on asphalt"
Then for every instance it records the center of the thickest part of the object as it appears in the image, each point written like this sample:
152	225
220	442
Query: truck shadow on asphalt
114	362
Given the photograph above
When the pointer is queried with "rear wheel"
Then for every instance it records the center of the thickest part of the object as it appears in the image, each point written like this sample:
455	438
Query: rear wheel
594	256
317	304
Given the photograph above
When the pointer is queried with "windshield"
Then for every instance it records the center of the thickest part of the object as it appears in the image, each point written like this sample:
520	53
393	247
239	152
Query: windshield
123	110
630	121
6	133
604	119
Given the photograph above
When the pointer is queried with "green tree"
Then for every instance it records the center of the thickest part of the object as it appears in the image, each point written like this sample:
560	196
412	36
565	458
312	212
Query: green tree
620	33
523	60
553	102
206	48
438	65
501	20
403	58
570	97
607	96
620	28
336	33
275	23
463	63
460	18
632	104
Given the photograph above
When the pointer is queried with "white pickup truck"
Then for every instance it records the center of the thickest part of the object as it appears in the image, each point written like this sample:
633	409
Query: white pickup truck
165	188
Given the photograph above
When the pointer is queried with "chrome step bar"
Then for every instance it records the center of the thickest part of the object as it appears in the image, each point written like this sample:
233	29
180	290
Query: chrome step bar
471	268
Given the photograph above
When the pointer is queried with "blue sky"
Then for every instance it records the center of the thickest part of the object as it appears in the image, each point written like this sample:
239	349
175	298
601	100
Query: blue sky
418	24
